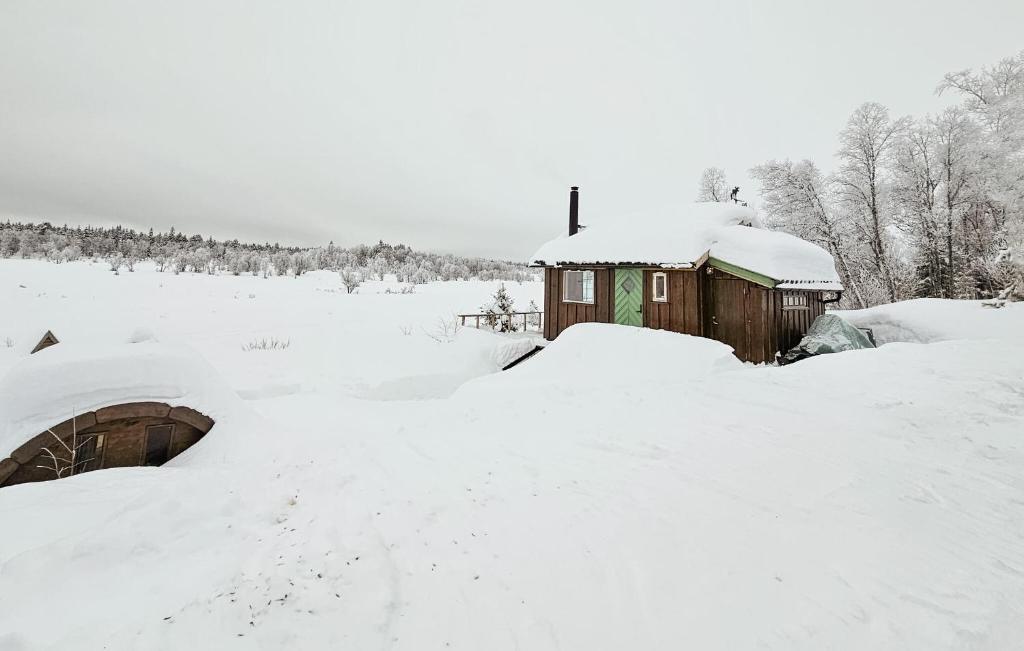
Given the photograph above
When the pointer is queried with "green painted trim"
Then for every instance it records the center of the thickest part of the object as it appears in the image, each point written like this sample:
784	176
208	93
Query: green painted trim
745	274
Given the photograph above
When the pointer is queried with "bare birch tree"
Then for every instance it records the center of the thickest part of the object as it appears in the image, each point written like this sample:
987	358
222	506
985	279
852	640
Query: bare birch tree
65	459
797	199
713	185
867	143
915	199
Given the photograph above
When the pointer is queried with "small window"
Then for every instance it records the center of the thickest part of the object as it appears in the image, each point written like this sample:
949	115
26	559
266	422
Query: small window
158	444
88	452
794	301
659	288
97	457
578	286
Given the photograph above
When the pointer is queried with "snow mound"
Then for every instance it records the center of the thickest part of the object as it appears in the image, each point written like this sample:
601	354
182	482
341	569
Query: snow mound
603	351
926	320
141	335
51	386
509	351
604	354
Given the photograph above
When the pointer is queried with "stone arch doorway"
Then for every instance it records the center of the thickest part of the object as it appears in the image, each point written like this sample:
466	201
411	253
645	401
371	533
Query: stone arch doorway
130	434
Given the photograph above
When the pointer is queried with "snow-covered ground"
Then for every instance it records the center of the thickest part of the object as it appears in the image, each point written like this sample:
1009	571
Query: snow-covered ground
926	320
623	489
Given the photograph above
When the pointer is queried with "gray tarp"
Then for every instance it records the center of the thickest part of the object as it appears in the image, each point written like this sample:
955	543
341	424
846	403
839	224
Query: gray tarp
828	334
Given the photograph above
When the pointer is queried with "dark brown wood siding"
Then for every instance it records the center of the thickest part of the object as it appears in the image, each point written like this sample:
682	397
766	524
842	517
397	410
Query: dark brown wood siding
705	302
794	323
753	319
683	311
728	304
559	315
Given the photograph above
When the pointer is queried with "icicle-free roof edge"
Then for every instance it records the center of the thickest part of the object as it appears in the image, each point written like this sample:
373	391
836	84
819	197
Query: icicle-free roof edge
685	238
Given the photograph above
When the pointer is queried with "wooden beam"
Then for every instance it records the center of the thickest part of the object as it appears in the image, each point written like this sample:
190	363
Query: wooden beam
745	274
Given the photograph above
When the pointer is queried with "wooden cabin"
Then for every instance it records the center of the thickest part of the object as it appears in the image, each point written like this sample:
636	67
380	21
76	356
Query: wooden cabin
706	269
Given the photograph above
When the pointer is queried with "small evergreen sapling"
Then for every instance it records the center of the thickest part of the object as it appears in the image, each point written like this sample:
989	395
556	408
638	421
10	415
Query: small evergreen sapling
500	311
534	319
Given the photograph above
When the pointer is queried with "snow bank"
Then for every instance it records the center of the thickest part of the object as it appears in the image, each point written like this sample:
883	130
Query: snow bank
52	385
446	365
609	355
509	351
869	500
927	320
613	352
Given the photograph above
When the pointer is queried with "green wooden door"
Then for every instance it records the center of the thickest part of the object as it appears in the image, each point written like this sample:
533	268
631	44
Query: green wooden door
629	294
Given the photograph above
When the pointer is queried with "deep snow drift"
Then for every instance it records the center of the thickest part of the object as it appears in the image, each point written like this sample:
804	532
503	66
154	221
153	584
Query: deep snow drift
926	320
623	489
59	382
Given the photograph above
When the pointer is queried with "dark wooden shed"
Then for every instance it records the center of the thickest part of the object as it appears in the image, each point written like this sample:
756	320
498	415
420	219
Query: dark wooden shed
612	277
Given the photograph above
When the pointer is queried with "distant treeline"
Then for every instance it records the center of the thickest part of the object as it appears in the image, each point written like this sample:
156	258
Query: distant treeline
176	252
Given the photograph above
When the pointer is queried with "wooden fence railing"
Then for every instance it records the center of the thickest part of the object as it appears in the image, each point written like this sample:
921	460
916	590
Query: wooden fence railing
494	320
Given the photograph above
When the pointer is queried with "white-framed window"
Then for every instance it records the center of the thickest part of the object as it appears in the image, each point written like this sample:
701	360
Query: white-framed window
578	286
659	287
794	301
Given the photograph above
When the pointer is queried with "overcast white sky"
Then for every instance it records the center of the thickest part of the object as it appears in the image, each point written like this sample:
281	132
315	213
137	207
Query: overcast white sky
453	125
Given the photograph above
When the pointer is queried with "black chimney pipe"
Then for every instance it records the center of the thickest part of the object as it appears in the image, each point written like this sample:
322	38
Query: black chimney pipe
574	210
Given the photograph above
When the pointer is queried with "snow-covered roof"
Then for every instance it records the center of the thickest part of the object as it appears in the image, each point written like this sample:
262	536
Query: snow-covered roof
791	262
51	386
681	238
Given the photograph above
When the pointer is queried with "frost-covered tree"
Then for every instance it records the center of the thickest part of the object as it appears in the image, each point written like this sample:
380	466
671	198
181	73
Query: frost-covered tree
351	280
71	253
955	135
116	261
534	319
993	99
280	261
500	310
10	243
378	266
300	262
713	185
867	144
206	255
202	261
796	198
29	244
237	262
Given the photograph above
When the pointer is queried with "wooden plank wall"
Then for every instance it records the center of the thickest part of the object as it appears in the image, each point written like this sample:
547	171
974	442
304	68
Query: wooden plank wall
684	310
793	324
559	315
728	312
751	318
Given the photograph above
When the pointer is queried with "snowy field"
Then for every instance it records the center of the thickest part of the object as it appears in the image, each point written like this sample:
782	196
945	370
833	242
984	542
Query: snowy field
371	487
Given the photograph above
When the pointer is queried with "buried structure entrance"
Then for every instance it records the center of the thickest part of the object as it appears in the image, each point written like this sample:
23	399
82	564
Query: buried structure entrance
131	434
